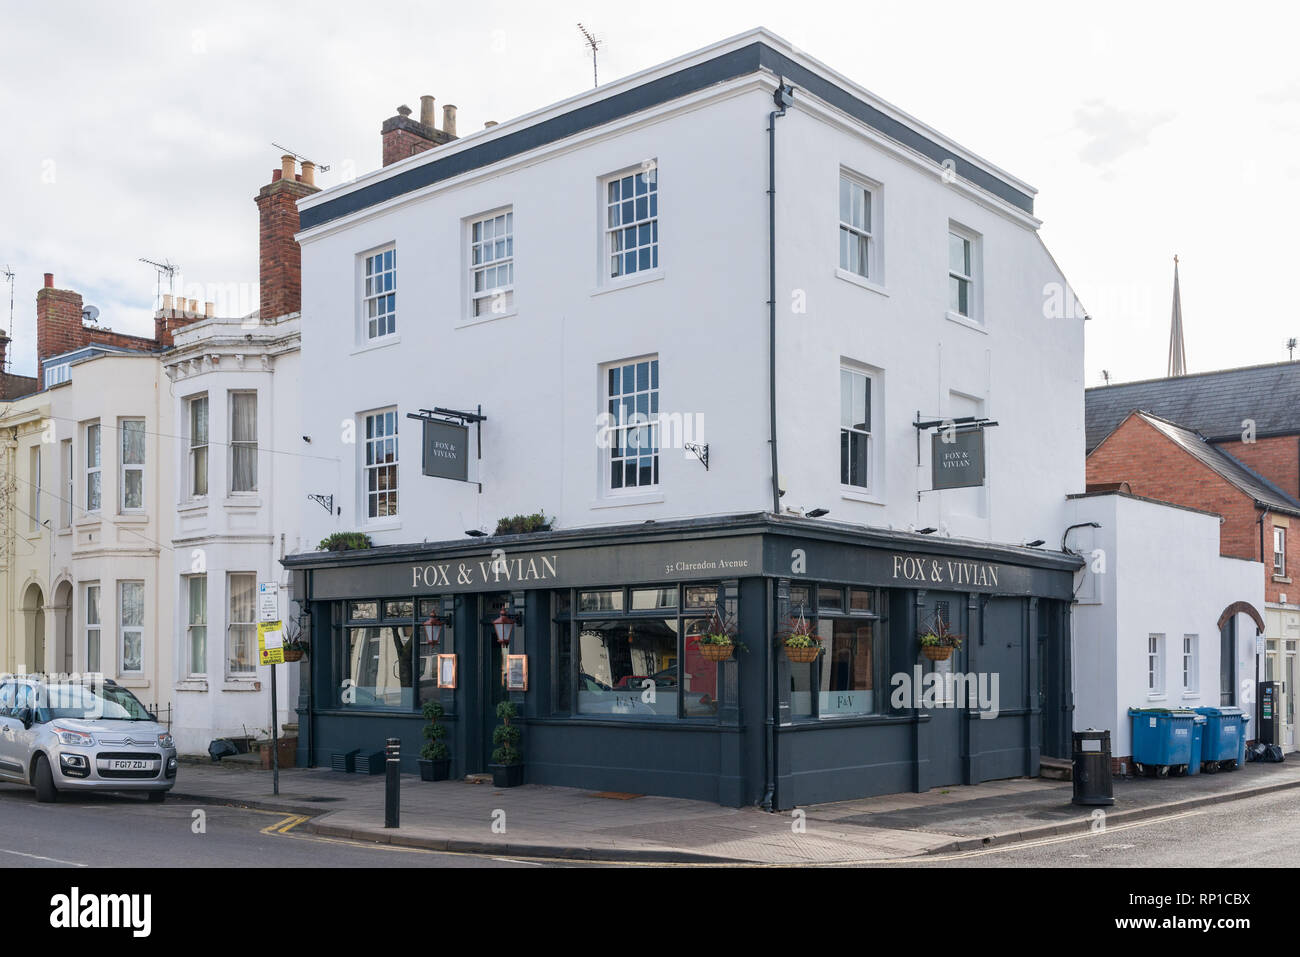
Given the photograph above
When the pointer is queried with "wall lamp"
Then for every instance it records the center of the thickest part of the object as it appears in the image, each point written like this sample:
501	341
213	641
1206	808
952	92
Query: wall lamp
816	512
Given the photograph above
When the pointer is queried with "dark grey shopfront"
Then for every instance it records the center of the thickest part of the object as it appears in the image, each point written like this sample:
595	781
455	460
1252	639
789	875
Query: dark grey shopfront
620	698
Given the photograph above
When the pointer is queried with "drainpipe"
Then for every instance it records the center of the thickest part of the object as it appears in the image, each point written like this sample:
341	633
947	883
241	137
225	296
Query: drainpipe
784	97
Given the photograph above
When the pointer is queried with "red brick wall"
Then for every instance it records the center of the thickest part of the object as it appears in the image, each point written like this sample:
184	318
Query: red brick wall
399	144
279	255
1277	459
59	329
1155	467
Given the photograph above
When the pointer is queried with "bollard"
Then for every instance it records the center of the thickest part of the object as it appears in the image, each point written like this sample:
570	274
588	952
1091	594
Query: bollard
392	772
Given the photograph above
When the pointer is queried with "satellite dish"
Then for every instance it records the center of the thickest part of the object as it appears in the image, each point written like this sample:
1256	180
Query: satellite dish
90	314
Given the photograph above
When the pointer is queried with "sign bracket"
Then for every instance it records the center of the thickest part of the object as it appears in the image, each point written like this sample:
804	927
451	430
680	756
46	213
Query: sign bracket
457	417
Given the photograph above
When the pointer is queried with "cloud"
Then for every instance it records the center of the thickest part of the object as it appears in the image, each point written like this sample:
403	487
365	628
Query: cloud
1112	132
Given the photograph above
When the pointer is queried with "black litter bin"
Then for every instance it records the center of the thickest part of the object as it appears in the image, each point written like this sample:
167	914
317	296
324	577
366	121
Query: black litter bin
1092	781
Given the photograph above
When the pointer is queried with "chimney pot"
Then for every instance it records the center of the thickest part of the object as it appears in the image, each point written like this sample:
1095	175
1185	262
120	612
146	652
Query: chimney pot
49	280
167	302
194	306
209	310
489	124
426	111
449	120
286	166
308	172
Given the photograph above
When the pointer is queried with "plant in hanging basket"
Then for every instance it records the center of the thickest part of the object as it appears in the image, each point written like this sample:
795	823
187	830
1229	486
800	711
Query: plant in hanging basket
295	645
718	640
801	642
938	641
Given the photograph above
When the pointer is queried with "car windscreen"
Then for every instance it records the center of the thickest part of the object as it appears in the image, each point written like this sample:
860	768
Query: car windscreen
92	703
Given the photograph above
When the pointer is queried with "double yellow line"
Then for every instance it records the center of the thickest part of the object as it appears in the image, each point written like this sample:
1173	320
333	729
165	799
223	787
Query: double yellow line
286	825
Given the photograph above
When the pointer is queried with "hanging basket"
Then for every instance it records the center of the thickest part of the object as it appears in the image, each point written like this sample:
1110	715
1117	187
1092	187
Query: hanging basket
293	654
802	655
937	652
716	652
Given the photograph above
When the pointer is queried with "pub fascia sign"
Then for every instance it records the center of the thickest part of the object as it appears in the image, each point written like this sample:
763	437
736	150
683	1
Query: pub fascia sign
496	570
945	571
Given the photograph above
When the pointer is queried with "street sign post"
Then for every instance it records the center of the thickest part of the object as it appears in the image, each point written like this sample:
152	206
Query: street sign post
270	650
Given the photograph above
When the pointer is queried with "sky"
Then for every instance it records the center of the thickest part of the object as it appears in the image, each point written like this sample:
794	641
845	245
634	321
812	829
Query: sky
143	130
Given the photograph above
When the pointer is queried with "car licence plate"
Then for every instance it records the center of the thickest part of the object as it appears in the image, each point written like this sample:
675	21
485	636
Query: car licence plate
123	765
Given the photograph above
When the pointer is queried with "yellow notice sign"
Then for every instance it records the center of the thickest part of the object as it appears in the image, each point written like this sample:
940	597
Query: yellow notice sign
270	643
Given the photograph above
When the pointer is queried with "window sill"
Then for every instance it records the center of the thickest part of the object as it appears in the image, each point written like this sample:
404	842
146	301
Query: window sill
192	505
861	281
1157	697
90	520
132	518
966	321
638	279
1190	695
1282	578
618	501
241	685
131	681
383	342
381	526
480	320
66	530
853	495
192	684
238	500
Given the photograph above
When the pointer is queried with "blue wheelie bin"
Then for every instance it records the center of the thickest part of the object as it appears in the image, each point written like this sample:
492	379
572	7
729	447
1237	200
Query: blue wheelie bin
1225	737
1162	739
1198	745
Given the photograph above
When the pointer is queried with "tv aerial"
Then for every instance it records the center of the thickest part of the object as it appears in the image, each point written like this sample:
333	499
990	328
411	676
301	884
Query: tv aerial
323	167
9	276
170	269
593	43
1290	343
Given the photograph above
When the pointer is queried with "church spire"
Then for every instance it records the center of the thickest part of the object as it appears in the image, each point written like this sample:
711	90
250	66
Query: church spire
1177	351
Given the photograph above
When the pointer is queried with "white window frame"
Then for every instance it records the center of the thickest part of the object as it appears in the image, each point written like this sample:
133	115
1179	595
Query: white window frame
615	426
94	624
1279	551
495	301
1191	664
871	230
1155	665
124	467
192	449
872	399
58	374
97	468
242	443
195	669
34	468
67	464
974	312
125	629
250	626
378	443
613	223
374	287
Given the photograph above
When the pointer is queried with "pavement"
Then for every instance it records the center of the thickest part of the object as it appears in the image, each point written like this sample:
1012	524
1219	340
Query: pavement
544	822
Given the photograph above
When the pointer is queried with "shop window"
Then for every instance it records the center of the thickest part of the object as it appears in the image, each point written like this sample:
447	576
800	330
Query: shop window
850	677
638	663
387	653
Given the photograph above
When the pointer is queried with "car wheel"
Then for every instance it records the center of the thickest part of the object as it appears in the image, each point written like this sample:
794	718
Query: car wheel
43	779
157	797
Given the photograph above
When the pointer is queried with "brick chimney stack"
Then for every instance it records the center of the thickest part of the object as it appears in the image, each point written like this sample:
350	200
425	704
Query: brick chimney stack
280	257
58	323
403	136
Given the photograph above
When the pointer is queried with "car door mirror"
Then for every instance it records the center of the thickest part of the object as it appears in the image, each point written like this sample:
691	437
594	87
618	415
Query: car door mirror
24	715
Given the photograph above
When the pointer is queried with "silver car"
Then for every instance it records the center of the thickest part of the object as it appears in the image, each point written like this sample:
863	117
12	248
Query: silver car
77	736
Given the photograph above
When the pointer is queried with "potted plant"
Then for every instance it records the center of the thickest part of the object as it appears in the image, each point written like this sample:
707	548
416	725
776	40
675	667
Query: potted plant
508	771
938	641
524	524
718	640
435	759
344	542
802	643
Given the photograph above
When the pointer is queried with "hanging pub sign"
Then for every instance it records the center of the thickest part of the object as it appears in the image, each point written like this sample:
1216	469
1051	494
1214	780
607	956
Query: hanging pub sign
446	450
957	458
